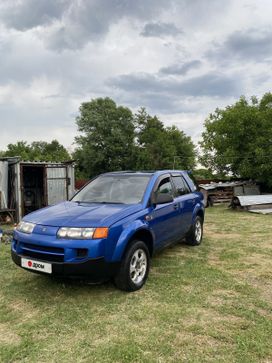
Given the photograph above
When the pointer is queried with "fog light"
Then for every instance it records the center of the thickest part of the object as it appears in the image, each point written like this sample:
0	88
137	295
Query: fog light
81	252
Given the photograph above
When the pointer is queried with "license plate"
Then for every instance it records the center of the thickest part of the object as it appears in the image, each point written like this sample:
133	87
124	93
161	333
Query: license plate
36	265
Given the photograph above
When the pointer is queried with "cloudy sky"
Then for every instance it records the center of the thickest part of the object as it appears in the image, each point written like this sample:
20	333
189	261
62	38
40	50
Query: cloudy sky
178	58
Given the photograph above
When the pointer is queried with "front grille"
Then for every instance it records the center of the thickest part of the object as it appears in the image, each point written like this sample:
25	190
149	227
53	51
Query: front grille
45	253
43	248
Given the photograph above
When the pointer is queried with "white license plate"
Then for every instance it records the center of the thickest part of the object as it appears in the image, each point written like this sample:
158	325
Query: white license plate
36	265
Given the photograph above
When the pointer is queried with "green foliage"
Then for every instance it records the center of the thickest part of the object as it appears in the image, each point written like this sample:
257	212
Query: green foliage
115	139
107	142
159	146
203	174
38	151
238	139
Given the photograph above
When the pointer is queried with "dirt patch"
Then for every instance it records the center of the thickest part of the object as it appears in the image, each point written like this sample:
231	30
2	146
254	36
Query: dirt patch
210	317
203	342
8	336
217	234
264	286
25	310
263	262
220	296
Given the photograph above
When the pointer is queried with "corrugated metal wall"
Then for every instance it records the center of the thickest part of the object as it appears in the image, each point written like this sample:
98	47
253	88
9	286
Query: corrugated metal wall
56	184
3	184
71	176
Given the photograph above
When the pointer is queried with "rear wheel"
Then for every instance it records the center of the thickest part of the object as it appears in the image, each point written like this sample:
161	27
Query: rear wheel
134	267
194	237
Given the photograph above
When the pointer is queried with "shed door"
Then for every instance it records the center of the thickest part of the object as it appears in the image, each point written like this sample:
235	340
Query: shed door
57	189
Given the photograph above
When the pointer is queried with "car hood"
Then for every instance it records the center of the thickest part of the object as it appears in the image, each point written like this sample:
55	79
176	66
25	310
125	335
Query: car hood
74	214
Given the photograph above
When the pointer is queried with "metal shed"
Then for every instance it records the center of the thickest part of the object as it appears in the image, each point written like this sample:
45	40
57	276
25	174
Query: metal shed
27	186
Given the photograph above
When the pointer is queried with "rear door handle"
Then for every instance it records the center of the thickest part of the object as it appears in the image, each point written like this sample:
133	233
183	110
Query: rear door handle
175	206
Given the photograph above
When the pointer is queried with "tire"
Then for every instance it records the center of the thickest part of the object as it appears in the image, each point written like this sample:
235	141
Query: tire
195	235
134	267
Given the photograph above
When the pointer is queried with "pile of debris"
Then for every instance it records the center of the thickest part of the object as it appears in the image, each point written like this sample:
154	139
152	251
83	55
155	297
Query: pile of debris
223	192
6	236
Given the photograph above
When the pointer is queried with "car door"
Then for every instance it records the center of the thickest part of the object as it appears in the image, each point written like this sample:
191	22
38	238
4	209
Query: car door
164	217
186	201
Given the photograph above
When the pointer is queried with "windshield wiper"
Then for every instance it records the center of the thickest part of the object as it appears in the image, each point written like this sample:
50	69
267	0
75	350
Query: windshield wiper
83	201
108	202
97	202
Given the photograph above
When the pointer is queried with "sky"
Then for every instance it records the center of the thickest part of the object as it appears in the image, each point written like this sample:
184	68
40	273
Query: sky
180	59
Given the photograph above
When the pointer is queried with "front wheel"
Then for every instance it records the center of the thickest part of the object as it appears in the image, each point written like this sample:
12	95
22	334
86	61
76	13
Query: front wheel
194	237
134	267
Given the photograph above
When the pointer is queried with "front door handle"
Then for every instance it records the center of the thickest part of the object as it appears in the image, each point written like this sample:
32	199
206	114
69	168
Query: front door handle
175	206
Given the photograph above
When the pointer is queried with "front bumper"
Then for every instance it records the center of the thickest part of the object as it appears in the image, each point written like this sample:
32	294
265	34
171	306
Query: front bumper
94	269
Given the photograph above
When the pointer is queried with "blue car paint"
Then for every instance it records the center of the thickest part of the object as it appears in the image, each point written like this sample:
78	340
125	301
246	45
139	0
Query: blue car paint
74	214
162	222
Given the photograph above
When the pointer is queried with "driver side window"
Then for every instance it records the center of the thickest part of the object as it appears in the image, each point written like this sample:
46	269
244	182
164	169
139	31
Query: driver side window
165	186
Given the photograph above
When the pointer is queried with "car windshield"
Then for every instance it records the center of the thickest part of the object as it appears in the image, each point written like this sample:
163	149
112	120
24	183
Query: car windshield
124	189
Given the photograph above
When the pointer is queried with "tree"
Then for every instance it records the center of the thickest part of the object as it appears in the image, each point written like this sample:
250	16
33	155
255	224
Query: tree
52	151
159	146
238	139
21	148
115	139
38	151
107	140
183	148
204	174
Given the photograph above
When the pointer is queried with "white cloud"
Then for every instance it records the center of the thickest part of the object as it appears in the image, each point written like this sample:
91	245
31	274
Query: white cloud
197	56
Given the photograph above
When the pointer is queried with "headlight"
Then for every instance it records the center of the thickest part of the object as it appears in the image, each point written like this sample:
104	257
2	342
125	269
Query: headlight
25	227
75	233
82	233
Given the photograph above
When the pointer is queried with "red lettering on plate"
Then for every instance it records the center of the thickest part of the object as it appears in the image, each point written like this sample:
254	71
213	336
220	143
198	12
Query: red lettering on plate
29	263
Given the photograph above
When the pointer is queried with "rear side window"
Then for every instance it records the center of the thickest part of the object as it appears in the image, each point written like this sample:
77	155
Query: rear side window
194	184
180	185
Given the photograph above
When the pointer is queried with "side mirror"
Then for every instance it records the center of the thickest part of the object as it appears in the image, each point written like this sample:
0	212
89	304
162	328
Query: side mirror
162	198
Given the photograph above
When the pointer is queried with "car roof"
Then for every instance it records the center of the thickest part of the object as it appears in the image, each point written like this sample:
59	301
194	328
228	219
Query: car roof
145	172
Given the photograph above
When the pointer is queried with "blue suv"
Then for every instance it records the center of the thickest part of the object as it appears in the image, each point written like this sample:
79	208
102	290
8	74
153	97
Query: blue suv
112	227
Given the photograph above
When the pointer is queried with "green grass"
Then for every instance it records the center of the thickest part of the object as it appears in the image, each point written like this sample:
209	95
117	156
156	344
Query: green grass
210	303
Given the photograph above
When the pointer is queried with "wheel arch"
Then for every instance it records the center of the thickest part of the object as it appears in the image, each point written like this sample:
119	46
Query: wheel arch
200	213
135	231
143	235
